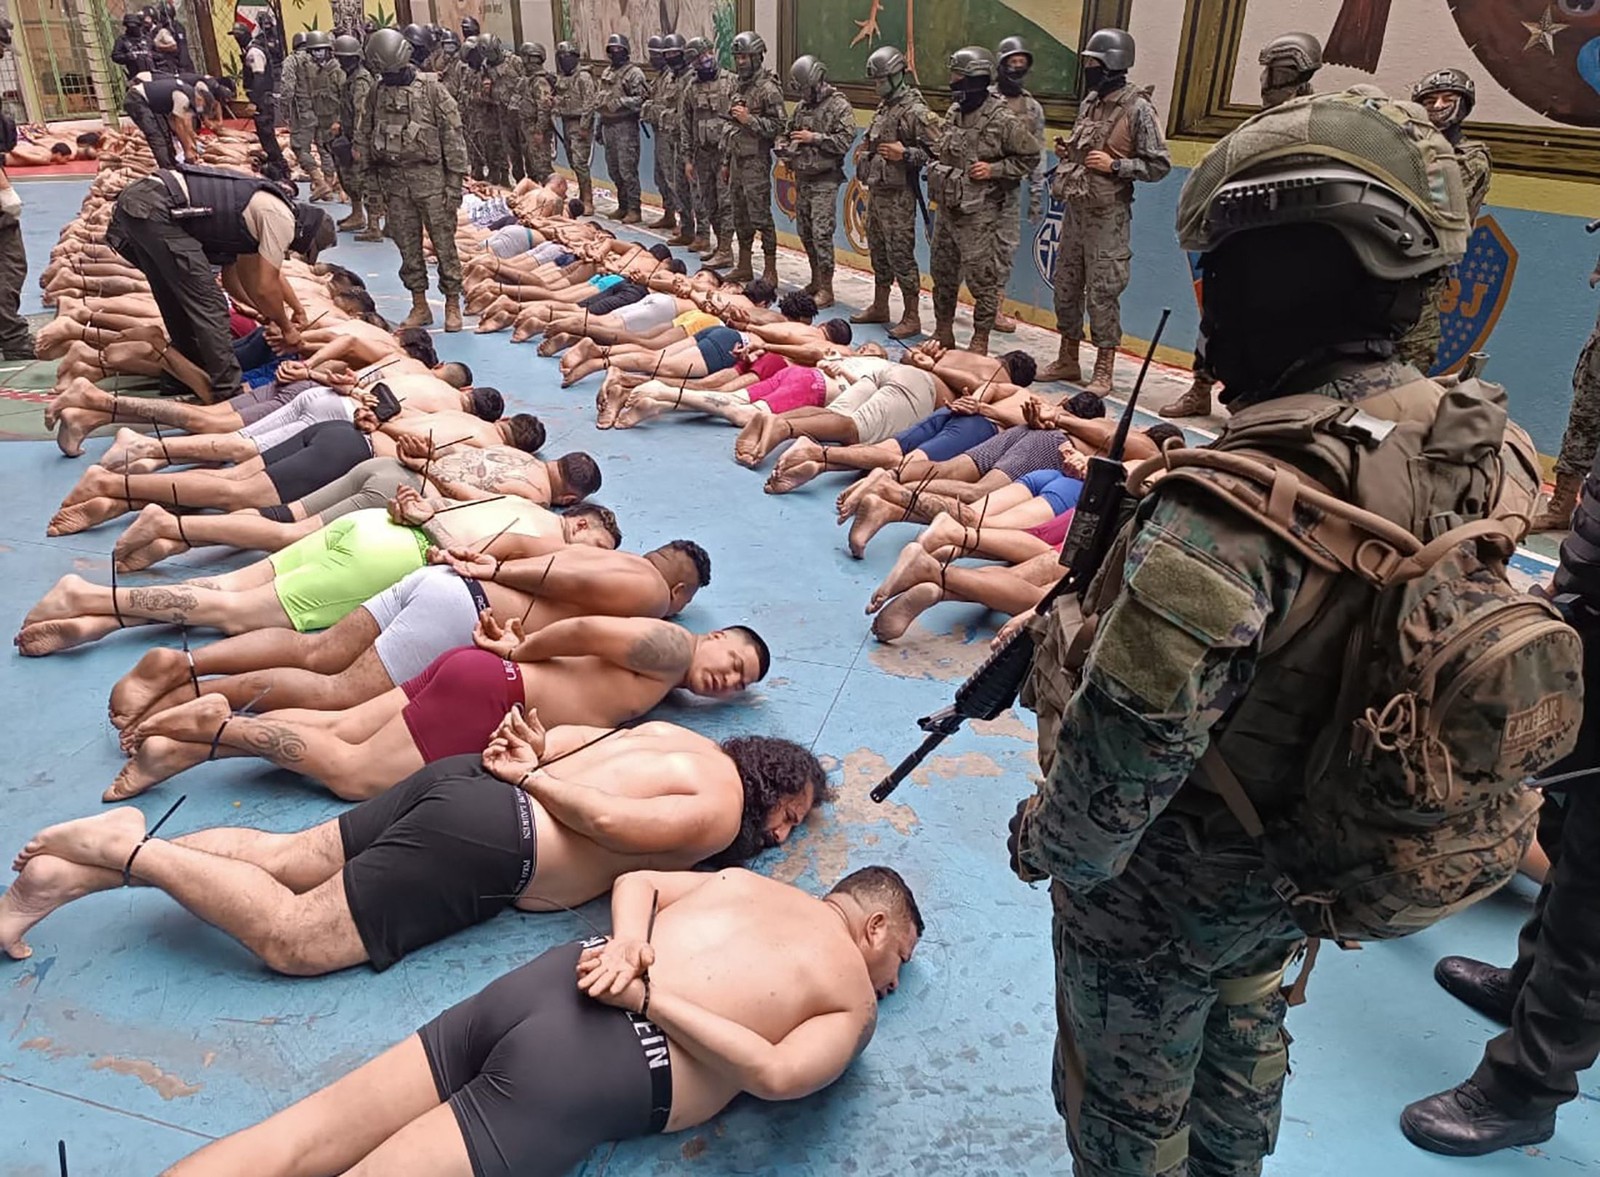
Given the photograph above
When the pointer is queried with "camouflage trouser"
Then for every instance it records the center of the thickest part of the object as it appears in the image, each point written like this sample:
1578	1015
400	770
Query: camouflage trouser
491	146
892	240
302	134
1419	346
579	130
1170	1053
1582	438
511	138
1008	238
330	162
621	141
536	150
416	200
666	171
816	216
15	340
963	250
750	193
688	210
713	205
1093	260
469	131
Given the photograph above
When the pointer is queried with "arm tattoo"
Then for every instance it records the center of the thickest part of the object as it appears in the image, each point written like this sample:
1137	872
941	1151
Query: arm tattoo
277	742
168	604
666	648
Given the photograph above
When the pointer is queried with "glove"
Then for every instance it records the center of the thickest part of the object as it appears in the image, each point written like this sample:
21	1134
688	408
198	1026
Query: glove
1022	870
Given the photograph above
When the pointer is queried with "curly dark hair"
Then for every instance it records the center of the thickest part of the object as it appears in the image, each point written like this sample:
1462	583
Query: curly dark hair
697	556
798	307
604	518
1164	433
772	771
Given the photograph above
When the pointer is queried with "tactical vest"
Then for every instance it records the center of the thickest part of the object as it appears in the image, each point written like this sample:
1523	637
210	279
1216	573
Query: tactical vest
1103	124
327	89
706	106
221	232
967	139
158	93
813	160
1376	827
405	127
613	88
895	121
504	85
660	108
744	141
572	94
537	98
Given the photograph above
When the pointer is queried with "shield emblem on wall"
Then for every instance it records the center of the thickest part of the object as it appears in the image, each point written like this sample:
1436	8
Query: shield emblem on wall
1045	242
855	216
1471	303
784	188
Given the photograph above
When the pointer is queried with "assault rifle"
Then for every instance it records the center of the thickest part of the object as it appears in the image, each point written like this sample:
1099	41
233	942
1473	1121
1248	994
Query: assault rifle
993	686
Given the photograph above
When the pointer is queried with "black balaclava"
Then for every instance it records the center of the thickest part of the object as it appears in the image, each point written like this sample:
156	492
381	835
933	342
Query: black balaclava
970	93
1010	81
705	68
403	76
567	64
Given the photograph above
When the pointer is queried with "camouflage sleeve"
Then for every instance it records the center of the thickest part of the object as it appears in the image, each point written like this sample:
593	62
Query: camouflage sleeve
1168	659
922	145
1022	151
767	111
455	141
634	90
1477	168
839	126
1150	160
286	78
588	92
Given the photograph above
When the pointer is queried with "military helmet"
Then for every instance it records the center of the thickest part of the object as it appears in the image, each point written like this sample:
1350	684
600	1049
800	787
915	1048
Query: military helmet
470	26
972	61
1301	50
807	72
297	42
1112	48
567	49
472	52
344	45
387	51
617	41
494	49
1010	47
673	43
132	20
240	32
751	43
449	41
696	48
1367	166
531	51
1448	81
656	43
885	62
315	39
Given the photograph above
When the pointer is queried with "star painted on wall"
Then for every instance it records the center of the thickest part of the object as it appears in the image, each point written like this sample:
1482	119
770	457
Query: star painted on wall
1543	31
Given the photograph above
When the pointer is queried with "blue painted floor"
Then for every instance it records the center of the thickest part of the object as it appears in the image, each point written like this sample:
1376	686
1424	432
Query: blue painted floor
136	1033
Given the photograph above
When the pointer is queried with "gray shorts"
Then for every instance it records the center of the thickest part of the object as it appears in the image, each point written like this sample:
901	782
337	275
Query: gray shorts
429	612
1019	450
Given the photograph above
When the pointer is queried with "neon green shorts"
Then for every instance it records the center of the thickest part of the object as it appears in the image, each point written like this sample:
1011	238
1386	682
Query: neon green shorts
332	572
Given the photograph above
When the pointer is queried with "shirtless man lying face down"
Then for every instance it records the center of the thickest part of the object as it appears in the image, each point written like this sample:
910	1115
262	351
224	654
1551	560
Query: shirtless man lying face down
742	985
537	821
600	671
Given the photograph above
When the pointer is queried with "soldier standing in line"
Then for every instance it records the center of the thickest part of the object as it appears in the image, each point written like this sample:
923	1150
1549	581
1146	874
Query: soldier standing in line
419	161
984	150
574	102
1288	63
486	108
704	147
901	140
619	98
535	101
758	115
256	68
353	96
327	95
676	54
468	86
505	89
659	119
821	130
1015	60
1448	95
295	91
16	341
1116	142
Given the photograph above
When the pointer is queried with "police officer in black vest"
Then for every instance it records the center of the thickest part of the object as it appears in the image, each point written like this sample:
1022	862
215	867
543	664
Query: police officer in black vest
132	50
256	70
1550	999
175	225
162	105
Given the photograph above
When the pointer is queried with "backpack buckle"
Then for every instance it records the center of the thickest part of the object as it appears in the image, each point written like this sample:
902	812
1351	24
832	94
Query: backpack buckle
1285	889
1360	425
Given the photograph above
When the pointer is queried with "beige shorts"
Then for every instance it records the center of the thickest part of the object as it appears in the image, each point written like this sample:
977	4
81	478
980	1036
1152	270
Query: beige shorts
887	402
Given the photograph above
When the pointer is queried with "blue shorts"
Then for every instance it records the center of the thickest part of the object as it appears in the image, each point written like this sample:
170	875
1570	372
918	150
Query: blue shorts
944	434
716	346
605	281
1059	490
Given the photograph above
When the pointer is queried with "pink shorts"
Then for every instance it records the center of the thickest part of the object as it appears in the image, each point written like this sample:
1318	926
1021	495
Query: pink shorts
792	388
1054	532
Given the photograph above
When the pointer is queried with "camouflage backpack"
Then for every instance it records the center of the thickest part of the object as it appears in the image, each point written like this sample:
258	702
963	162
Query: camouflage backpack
1453	688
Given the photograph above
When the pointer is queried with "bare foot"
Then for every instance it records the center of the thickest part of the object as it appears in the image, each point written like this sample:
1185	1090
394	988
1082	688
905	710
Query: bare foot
944	531
154	675
104	840
846	503
66	598
899	613
801	462
158	758
912	566
81	516
759	438
555	344
608	404
526	326
194	722
73	425
583	349
73	396
495	320
637	409
583	371
46	883
129	446
151	538
872	516
51	637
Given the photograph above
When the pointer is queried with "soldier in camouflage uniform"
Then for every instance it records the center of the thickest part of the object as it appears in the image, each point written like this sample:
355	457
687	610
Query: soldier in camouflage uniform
1581	441
299	104
703	146
534	104
676	54
327	86
574	102
418	156
900	141
758	115
1448	95
1116	142
506	83
821	130
494	83
619	97
1170	939
1288	63
353	96
659	116
984	150
465	88
1015	60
